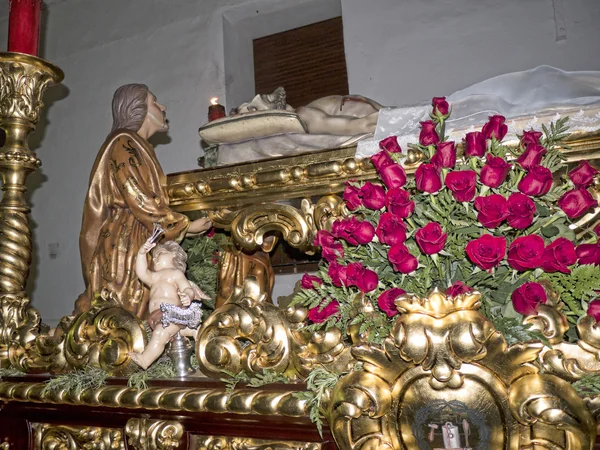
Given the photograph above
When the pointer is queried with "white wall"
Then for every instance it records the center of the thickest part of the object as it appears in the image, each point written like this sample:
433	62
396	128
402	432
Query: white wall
398	52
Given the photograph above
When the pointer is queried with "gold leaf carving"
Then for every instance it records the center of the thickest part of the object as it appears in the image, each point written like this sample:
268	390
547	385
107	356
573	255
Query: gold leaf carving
50	437
241	443
146	434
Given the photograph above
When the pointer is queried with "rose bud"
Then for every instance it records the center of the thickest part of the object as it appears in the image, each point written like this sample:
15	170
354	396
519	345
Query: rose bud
390	229
431	239
364	279
309	281
397	201
337	273
537	182
440	106
428	135
382	159
593	310
402	260
393	176
353	231
527	298
583	175
493	210
462	184
318	315
530	138
495	128
494	172
458	288
532	156
559	255
445	155
526	252
373	196
521	210
475	144
352	197
487	251
390	144
576	202
387	299
428	179
333	252
589	254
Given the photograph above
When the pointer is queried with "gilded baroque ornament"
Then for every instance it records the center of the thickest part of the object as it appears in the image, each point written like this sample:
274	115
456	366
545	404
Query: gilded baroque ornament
241	443
146	434
49	436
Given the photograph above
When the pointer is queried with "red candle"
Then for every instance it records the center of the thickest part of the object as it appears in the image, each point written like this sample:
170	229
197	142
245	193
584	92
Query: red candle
215	111
24	26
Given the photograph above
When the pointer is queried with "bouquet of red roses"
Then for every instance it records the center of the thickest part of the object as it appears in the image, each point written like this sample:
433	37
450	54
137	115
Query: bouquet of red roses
492	218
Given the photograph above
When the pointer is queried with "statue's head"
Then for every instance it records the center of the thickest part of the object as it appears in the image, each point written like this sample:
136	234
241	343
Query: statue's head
169	253
264	102
134	107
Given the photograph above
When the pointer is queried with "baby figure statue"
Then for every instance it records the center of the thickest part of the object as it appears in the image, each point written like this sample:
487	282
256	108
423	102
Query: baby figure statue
171	293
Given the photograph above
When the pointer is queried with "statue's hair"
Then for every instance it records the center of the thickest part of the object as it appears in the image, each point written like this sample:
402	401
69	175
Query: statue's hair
277	97
179	255
130	106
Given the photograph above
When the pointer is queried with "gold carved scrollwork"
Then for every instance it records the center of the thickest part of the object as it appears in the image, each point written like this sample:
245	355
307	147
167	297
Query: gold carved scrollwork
50	437
247	333
239	443
146	434
103	337
18	325
444	355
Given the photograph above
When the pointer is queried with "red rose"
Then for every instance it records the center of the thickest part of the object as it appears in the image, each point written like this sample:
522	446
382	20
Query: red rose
445	155
387	299
589	254
521	210
559	255
493	210
462	184
390	229
530	138
397	201
309	281
593	310
337	273
381	159
390	144
526	252
353	231
487	251
211	232
528	297
319	314
402	260
373	196
495	128
458	288
428	178
576	202
475	144
532	156
583	175
393	176
537	182
494	172
364	279
428	135
431	239
352	197
330	247
440	106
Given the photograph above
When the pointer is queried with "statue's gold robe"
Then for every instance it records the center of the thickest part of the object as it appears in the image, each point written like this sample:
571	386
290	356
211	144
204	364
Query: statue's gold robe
126	196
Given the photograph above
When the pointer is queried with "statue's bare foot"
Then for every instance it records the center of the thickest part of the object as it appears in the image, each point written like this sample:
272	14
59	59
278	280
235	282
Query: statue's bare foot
138	359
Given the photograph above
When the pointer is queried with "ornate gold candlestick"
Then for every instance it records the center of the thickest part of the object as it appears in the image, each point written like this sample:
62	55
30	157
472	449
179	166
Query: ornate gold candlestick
23	79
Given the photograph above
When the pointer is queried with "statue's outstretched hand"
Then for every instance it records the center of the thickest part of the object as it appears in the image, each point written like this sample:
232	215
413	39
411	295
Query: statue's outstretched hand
148	245
199	226
184	298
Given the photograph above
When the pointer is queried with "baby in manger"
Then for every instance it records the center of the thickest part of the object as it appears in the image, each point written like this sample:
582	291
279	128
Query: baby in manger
171	305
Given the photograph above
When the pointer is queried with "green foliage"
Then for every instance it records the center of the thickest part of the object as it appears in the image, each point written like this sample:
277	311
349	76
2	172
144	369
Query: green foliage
588	386
76	382
10	372
260	379
161	368
515	331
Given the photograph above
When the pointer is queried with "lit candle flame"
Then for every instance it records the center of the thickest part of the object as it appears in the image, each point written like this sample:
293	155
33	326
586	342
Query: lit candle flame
214	100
